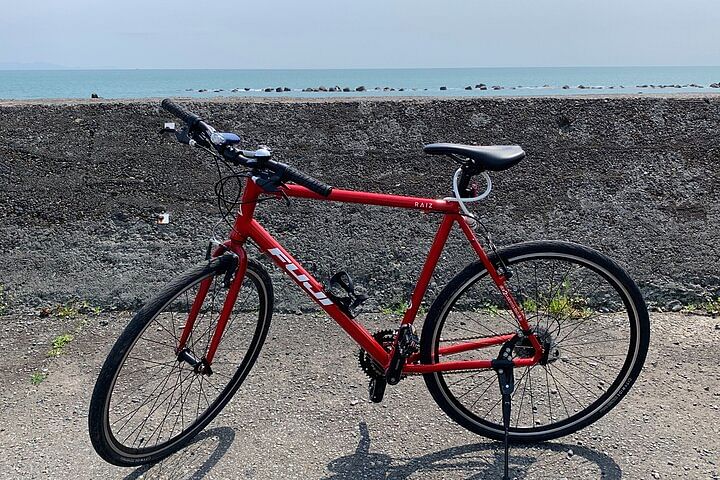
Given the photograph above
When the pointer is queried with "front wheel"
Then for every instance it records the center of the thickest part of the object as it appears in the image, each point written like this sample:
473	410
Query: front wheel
585	310
149	401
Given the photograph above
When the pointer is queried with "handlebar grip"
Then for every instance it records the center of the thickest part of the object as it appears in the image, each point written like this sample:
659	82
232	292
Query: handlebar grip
306	181
189	118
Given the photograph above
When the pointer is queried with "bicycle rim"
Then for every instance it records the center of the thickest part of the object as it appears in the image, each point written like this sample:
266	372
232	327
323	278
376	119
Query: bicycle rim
157	402
589	321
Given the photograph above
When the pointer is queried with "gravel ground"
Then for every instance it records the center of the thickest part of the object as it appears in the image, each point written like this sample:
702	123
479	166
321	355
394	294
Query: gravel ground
298	416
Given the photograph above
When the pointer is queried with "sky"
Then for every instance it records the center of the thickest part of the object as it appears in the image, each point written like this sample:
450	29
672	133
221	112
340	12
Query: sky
357	34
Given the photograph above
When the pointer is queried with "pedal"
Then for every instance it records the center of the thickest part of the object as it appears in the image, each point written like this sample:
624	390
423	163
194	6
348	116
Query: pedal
407	344
376	389
342	282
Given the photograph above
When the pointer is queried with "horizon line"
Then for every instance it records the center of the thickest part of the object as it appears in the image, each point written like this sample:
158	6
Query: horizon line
61	68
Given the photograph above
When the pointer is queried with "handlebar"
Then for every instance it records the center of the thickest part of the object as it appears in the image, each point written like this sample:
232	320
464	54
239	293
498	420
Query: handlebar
293	175
189	118
285	172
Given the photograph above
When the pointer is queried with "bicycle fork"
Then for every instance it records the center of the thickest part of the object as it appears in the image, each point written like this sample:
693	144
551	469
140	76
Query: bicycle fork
234	275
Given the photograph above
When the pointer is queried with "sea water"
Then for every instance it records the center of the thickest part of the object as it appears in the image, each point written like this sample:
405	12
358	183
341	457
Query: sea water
41	84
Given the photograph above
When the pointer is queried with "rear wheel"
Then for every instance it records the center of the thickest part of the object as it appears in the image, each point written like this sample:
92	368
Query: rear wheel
149	401
584	308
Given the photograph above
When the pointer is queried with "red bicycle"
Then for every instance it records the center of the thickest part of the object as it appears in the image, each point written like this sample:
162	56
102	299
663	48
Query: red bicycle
564	329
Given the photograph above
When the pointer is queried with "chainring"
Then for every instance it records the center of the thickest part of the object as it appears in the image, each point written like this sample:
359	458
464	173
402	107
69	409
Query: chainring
367	364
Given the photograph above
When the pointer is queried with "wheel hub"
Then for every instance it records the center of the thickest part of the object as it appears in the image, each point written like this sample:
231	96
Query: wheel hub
551	352
200	366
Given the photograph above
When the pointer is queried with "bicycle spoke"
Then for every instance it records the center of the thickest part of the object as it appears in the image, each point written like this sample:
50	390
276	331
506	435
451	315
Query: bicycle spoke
522	398
138	370
593	357
547	383
483	393
517	382
152	409
558	384
477	323
167	411
532	401
591	343
463	379
557	389
476	387
132	413
573	379
585	371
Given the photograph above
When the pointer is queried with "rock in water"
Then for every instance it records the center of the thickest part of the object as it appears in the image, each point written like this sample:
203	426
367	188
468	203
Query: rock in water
443	88
361	88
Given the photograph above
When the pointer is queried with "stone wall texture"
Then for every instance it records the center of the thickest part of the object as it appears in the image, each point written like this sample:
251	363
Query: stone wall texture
637	178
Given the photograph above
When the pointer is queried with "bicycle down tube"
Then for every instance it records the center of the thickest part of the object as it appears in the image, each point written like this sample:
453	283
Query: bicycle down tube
246	227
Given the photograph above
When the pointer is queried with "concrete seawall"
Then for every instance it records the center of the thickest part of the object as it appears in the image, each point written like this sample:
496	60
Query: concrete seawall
81	182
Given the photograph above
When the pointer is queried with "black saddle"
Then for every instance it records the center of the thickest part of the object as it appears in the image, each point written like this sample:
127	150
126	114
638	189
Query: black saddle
494	157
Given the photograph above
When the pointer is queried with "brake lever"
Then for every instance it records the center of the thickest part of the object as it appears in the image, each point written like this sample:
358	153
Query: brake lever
183	136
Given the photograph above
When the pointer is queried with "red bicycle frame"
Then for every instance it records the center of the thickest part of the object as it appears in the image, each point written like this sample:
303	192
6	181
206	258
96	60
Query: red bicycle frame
246	227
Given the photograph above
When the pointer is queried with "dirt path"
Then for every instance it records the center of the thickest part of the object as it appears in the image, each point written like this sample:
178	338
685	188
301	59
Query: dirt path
298	418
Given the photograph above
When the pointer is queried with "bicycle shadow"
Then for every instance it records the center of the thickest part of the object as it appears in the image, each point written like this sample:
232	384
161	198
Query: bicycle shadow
192	462
476	461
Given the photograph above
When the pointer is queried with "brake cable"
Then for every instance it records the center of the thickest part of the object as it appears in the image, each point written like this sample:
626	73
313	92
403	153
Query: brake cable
474	220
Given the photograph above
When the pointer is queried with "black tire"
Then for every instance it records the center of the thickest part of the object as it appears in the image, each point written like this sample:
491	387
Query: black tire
613	307
121	396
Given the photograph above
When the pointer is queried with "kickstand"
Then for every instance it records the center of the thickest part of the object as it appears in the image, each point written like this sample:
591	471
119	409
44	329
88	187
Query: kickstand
504	369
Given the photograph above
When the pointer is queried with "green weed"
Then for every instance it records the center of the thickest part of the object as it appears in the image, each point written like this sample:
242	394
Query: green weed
37	378
712	306
71	309
529	305
397	308
561	304
490	309
58	344
691	308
